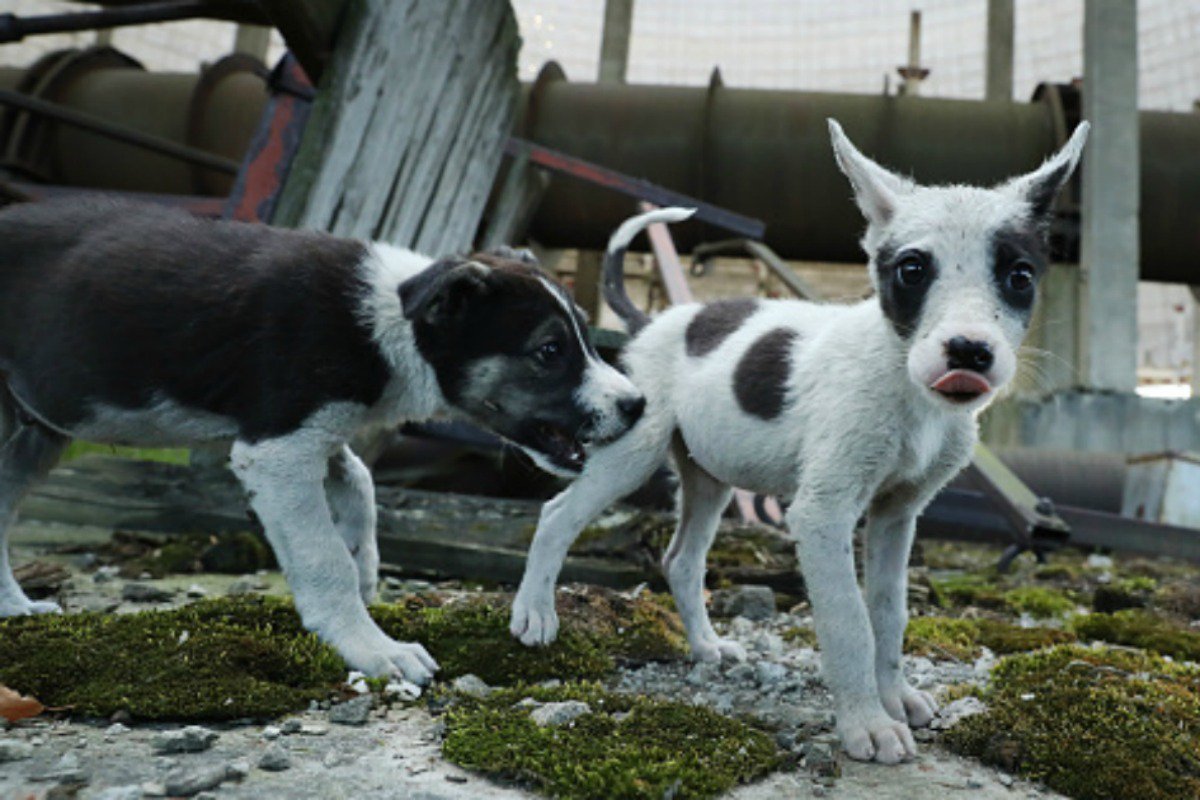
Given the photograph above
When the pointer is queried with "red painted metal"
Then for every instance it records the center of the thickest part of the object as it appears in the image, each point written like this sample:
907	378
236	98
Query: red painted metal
270	155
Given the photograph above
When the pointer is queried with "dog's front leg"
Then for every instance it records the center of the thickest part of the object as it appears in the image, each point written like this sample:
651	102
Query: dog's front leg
351	494
889	537
824	533
284	478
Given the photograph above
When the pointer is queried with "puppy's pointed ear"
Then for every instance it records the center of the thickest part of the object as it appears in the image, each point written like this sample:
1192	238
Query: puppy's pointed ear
439	290
1040	187
875	188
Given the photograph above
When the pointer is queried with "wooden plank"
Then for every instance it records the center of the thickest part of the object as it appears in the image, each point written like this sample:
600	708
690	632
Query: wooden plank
407	133
422	533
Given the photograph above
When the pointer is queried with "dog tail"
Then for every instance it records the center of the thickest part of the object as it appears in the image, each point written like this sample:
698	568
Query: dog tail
613	276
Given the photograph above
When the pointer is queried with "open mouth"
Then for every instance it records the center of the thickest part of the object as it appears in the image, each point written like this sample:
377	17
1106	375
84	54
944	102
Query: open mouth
961	386
562	448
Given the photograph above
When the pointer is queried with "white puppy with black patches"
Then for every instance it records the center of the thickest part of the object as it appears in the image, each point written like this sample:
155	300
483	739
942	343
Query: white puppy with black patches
846	411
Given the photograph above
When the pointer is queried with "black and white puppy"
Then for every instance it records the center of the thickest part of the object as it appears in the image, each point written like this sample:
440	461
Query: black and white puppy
845	411
134	324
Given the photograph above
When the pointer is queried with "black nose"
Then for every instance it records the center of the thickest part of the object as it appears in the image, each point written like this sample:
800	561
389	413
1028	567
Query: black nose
631	408
964	353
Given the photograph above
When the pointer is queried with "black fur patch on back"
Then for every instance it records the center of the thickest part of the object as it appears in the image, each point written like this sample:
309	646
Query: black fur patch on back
901	304
715	323
126	305
760	379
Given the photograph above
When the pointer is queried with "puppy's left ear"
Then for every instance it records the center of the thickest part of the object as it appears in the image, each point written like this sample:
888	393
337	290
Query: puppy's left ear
439	290
522	254
1040	187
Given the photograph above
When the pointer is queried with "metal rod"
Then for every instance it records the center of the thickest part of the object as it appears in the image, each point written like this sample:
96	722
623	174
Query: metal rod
634	187
120	133
14	28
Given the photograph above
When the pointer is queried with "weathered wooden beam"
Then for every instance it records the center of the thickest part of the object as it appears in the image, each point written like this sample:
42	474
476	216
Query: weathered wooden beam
420	533
407	132
309	27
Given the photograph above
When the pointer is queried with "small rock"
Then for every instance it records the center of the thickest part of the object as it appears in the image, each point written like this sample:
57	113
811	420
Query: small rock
703	673
66	770
186	782
752	602
14	750
559	713
743	672
472	686
1098	561
240	587
292	725
116	729
275	758
237	769
131	792
313	730
956	712
974	784
271	733
1005	779
456	778
769	673
192	739
527	702
144	593
105	574
352	712
821	759
196	591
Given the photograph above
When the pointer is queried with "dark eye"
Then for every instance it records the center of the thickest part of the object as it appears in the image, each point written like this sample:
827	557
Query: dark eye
548	352
911	271
1020	278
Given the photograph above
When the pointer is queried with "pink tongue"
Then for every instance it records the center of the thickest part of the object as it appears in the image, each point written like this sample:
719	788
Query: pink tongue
961	381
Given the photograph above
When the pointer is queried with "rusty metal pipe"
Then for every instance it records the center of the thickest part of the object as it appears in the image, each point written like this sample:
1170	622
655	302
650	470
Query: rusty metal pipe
120	133
766	154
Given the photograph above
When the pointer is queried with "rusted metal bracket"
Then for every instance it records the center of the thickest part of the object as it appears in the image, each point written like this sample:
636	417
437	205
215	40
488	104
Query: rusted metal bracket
760	252
1035	524
634	187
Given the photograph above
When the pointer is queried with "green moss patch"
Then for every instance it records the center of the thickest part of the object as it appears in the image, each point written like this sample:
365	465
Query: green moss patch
1144	629
600	629
167	456
627	747
214	660
963	639
1091	723
1038	601
970	589
250	657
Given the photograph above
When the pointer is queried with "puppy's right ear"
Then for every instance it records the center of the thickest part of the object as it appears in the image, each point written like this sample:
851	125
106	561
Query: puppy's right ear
875	188
438	291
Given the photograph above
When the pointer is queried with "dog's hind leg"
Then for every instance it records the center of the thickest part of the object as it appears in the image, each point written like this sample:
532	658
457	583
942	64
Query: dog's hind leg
351	494
702	498
889	537
25	456
285	480
611	472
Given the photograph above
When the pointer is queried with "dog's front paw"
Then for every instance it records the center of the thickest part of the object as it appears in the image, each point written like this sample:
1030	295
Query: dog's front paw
534	620
878	738
392	659
910	705
23	607
714	650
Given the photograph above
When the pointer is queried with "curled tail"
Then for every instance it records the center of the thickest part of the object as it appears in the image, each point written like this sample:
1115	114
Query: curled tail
613	275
